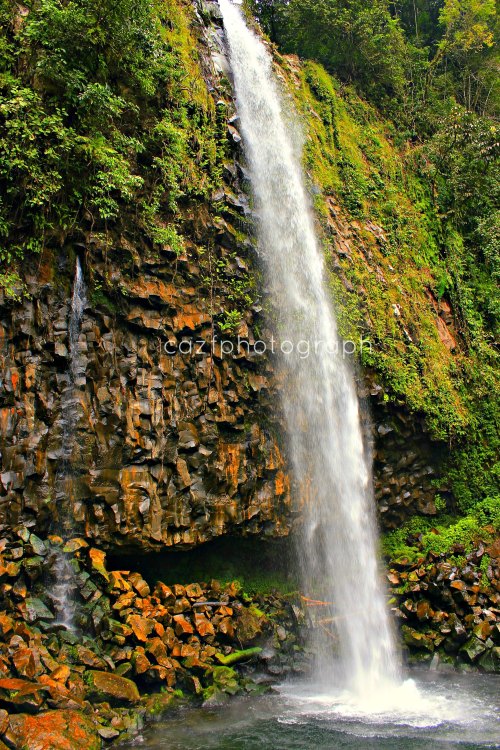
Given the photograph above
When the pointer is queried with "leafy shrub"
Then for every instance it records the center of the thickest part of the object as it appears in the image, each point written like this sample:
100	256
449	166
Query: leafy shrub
442	535
107	109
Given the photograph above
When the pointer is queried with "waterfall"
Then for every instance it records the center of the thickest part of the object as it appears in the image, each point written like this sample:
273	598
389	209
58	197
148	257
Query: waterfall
78	302
338	548
64	586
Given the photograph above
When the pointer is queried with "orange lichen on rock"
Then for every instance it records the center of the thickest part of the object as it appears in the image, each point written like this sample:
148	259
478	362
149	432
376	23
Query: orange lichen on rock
53	730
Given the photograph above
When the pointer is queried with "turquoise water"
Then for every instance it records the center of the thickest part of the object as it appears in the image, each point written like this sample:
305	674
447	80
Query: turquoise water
449	711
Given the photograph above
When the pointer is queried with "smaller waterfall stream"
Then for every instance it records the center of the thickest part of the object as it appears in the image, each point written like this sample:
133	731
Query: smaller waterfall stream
338	549
78	302
64	580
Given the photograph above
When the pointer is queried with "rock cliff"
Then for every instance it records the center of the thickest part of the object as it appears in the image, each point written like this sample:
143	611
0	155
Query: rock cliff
176	439
175	442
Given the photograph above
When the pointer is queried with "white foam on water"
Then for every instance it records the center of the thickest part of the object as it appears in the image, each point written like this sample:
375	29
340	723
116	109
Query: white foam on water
404	705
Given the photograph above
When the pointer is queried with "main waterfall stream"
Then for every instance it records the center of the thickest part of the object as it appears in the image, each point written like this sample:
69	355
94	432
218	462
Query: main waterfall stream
338	555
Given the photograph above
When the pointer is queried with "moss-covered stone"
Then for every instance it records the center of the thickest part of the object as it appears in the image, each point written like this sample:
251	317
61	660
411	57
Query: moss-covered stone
36	610
416	639
111	687
250	623
473	648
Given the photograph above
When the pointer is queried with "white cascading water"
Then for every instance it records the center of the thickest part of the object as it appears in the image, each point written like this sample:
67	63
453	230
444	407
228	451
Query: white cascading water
339	544
63	590
78	302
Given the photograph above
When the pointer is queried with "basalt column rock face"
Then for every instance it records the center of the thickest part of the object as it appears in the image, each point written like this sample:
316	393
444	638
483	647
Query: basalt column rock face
175	440
406	466
171	447
406	461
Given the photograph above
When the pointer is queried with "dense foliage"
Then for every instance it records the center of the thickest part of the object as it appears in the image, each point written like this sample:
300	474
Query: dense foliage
358	40
446	535
409	54
434	67
101	106
427	174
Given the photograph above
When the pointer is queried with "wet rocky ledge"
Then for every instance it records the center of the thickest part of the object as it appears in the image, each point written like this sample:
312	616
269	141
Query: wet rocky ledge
137	649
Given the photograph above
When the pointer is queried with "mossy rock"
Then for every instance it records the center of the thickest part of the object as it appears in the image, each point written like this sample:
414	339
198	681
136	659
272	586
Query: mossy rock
98	563
250	624
157	703
255	689
414	639
237	656
37	610
473	648
110	687
490	660
225	679
212	696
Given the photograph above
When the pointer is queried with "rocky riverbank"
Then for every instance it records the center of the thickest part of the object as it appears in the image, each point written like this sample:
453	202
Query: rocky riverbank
133	650
137	647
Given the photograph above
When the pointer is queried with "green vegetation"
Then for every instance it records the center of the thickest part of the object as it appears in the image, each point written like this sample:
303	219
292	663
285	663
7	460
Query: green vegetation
238	656
230	322
359	40
445	535
102	109
409	229
410	57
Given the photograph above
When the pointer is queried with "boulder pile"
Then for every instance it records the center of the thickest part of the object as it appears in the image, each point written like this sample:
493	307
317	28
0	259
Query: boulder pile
449	607
132	648
135	646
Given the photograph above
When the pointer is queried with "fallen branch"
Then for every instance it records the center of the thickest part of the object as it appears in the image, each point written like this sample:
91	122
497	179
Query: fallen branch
315	602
